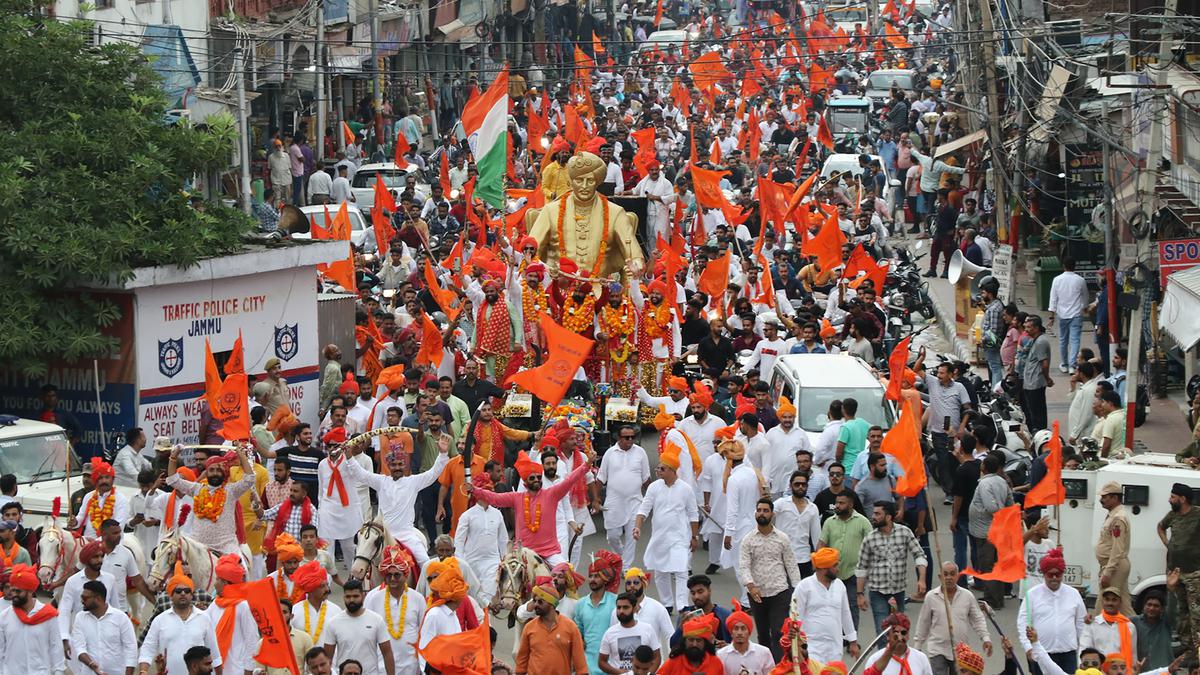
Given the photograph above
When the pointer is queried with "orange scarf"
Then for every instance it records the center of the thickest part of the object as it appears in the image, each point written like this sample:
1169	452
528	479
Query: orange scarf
7	557
335	479
41	616
228	601
1123	631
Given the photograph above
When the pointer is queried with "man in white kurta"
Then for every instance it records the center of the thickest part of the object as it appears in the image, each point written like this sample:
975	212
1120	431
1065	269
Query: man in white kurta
398	495
712	491
178	629
783	440
29	635
700	426
401	608
480	541
340	513
624	472
676	530
243	646
822	601
96	501
742	492
660	194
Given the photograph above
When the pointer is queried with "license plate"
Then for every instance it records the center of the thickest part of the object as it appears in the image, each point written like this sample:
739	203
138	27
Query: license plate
1073	575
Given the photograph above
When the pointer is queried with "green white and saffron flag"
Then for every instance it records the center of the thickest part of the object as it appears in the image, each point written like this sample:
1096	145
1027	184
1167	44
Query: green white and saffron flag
485	121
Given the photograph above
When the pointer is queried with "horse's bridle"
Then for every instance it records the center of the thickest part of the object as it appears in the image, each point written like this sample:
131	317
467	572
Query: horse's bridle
370	560
61	558
516	568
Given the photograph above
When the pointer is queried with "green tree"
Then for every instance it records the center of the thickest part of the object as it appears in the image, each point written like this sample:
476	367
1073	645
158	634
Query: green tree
92	182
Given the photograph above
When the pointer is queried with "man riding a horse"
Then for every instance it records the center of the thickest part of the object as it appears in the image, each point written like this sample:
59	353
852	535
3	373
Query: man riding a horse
217	518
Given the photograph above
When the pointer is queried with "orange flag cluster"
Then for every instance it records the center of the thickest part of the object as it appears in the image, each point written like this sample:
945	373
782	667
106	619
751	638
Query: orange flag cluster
227	398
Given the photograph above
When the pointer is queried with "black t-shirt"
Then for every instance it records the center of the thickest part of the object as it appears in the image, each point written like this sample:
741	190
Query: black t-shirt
473	394
693	331
715	356
303	465
824	501
966	479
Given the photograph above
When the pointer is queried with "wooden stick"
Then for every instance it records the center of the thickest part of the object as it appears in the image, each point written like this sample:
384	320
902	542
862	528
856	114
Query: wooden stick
938	548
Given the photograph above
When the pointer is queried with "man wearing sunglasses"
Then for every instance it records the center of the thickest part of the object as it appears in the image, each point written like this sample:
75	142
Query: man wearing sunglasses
897	657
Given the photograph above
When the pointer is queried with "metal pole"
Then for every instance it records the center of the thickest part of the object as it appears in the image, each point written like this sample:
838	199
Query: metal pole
1018	173
1110	239
996	139
318	48
378	76
243	128
1147	179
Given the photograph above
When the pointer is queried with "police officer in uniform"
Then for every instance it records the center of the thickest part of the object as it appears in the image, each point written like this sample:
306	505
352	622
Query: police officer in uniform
1112	550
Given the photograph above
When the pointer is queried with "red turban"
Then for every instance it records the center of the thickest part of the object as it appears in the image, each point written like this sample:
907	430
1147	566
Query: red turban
90	550
229	569
335	436
704	626
568	266
659	286
310	576
222	462
526	242
738	616
536	269
608	565
23	577
968	659
527	467
897	619
1053	561
396	558
348	387
560	145
101	468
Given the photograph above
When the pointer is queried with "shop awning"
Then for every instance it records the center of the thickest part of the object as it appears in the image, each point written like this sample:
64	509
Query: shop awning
1180	313
960	143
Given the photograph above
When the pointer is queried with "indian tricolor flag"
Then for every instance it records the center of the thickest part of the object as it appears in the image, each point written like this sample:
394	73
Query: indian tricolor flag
485	121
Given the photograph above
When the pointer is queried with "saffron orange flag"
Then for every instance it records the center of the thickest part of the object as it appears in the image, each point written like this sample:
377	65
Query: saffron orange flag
275	650
227	402
347	134
465	653
715	277
431	342
658	15
903	441
445	298
567	352
1006	535
402	149
444	175
897	362
645	157
708	70
859	261
342	271
1049	491
824	136
827	244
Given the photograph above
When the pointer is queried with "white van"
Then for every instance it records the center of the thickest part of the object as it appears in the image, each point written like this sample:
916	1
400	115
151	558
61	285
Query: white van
37	454
1147	480
812	381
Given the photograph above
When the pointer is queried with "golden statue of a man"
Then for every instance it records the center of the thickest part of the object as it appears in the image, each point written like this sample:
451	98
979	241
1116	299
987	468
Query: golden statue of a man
585	226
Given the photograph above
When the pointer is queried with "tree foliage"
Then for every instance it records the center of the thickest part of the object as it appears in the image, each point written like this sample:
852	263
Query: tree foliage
92	184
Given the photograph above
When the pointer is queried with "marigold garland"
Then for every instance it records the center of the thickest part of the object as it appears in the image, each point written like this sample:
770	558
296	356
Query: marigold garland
209	505
579	316
387	614
320	621
534	299
536	523
658	320
98	514
617	322
281	590
562	245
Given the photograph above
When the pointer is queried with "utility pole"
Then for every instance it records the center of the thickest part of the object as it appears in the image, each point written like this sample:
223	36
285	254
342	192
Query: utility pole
318	49
995	137
239	64
1147	180
374	19
1018	174
1110	234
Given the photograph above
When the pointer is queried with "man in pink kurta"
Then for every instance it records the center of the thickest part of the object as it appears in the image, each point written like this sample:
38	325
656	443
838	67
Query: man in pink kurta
535	508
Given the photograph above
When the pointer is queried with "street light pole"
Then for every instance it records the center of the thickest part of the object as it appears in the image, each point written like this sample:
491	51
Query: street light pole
239	64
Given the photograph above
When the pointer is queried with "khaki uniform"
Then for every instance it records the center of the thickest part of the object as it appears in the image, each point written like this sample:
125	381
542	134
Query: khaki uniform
1112	552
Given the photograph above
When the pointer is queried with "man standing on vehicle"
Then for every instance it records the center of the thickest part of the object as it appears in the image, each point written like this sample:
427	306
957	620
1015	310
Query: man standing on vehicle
1184	523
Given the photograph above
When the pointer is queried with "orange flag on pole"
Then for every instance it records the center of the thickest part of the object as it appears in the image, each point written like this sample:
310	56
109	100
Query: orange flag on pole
827	244
275	650
1049	491
444	174
658	15
644	139
708	70
402	149
227	402
445	298
567	352
897	362
431	351
859	261
824	136
347	134
1006	535
715	277
903	442
465	653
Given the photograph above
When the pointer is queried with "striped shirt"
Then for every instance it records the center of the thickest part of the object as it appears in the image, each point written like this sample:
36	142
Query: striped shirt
304	463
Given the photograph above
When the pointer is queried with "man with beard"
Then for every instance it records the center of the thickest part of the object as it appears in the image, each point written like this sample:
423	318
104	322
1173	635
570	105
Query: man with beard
103	635
881	567
236	628
625	473
696	653
482	538
798	518
288	555
340	511
767	567
741	655
214	510
495	325
660	194
120	563
102	504
658	341
878	486
827	498
551	643
288	516
178	629
676	529
313	615
783	440
897	658
823	602
397	493
700	426
27	631
555	180
625	636
676	402
1183	521
358	634
583	501
400	606
91	558
593	614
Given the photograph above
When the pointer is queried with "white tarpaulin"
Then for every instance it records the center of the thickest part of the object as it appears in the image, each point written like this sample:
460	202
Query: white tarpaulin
1180	314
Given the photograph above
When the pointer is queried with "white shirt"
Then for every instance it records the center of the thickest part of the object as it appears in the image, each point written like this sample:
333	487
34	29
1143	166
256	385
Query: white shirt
623	472
674	509
803	528
440	620
120	513
335	520
397	497
825	451
658	213
756	661
358	638
339	191
109	641
246	638
121	565
30	649
673	407
403	653
1104	636
172	635
1068	295
827	619
481	537
652	613
1050	613
780	461
712	473
69	604
127	464
319	183
741	494
917	662
702	433
620	642
763	358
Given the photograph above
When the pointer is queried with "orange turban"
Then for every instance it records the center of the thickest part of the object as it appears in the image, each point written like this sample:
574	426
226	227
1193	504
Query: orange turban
334	436
310	576
229	569
725	433
785	407
703	395
677	383
527	467
101	468
827	329
282	421
659	286
663	420
732	450
838	667
179	579
392	377
825	558
24	577
670	456
704	626
396	559
449	585
547	591
287	548
738	616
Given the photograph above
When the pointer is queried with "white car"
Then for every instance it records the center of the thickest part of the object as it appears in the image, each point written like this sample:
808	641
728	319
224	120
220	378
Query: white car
661	39
846	17
394	178
812	381
849	162
362	233
880	83
37	453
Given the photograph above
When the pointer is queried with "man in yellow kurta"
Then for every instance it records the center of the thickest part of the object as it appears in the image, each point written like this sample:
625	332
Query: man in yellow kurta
256	530
555	181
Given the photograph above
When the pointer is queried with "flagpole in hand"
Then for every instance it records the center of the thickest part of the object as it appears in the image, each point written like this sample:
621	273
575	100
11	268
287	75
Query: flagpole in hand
469	442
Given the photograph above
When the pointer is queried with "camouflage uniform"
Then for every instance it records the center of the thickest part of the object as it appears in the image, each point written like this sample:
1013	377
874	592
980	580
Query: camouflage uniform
1184	542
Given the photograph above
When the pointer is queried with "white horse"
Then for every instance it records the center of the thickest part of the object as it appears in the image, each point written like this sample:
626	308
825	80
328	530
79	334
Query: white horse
200	561
369	543
514	581
58	558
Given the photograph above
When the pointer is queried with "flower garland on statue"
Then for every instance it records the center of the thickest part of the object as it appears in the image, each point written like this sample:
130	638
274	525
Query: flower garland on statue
619	324
658	320
387	609
209	505
562	245
98	514
579	316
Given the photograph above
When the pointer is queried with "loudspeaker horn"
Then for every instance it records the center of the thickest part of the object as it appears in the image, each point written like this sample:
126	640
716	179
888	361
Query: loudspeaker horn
961	267
292	221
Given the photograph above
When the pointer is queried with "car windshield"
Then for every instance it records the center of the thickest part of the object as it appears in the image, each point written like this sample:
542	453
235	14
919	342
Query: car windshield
847	15
834	167
885	81
847	120
813	408
393	178
37	458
